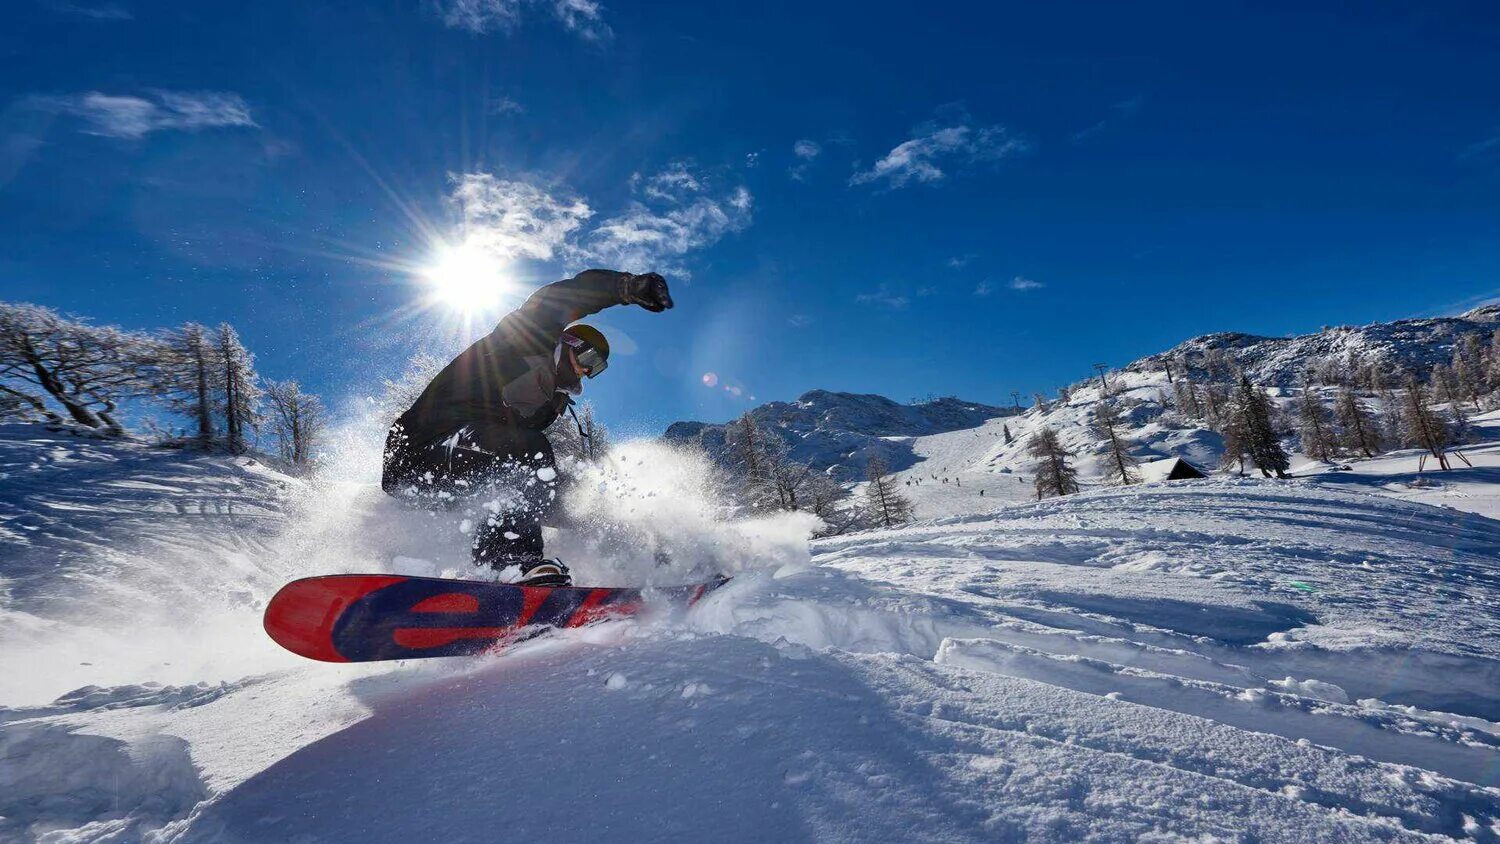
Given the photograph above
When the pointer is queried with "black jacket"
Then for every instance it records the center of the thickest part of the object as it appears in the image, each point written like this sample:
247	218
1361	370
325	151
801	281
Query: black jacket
510	375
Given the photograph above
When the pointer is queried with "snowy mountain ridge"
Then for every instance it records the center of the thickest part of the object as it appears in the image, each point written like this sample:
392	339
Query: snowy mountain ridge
1406	345
834	431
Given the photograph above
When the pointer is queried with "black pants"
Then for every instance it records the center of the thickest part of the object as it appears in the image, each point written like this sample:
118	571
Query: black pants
505	474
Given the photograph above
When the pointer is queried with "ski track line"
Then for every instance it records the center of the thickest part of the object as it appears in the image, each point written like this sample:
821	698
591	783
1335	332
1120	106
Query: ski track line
1419	815
1361	732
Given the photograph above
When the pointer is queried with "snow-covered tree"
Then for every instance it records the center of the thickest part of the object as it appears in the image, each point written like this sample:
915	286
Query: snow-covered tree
1236	447
298	419
399	394
1468	369
1250	415
1423	427
188	380
1216	406
1491	362
87	370
1119	465
824	498
1445	386
583	439
1188	403
1054	474
1319	440
747	453
1359	430
886	505
241	388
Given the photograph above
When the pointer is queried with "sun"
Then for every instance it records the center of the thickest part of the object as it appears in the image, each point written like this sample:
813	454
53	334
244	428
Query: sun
466	279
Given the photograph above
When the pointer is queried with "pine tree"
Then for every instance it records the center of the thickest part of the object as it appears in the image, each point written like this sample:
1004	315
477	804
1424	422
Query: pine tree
87	370
887	505
1491	362
1468	369
1119	465
399	394
584	439
1187	398
1423	427
1445	385
824	499
241	386
1054	475
1216	406
1315	427
1360	430
190	382
1236	446
1005	430
299	420
1252	414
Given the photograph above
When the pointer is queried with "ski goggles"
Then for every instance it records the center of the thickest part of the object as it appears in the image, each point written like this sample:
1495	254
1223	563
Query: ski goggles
587	356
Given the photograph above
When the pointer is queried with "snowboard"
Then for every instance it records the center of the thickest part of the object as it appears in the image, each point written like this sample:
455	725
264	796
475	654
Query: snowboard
371	617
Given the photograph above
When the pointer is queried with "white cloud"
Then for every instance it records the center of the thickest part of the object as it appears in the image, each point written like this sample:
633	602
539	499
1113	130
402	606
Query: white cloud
135	117
585	17
514	219
1023	283
799	320
643	238
1120	111
104	12
676	183
1481	149
885	297
922	158
678	212
958	262
805	151
506	105
984	288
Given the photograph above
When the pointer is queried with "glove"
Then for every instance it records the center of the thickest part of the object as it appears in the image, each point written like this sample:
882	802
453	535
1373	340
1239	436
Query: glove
649	290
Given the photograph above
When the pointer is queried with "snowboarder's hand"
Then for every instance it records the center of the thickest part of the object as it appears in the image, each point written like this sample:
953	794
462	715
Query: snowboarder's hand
649	290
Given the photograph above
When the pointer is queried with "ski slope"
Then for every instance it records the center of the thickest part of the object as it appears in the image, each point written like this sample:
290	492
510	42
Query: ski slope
1229	659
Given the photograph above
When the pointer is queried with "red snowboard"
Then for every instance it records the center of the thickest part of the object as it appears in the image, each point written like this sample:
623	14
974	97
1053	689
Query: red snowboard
368	617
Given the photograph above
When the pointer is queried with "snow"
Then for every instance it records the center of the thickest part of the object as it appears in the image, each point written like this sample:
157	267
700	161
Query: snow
836	432
1223	659
1407	345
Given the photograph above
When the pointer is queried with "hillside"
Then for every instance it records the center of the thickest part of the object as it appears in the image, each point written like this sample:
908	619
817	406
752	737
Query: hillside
1227	659
834	432
1408	345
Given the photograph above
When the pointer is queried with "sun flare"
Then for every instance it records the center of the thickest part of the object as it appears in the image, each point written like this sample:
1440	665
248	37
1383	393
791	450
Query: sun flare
467	279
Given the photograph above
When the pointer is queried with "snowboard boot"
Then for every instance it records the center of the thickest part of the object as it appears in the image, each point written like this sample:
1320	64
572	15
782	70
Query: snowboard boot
544	573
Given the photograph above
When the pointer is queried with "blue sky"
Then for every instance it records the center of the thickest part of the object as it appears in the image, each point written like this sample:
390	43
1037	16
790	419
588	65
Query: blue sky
896	198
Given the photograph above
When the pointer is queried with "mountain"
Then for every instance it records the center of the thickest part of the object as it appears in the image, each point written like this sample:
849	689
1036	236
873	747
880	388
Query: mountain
834	432
1407	345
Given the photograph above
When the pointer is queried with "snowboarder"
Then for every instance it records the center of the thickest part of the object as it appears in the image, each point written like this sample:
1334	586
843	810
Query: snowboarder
478	428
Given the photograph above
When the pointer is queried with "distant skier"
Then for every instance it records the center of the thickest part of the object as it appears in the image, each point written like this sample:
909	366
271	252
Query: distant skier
478	427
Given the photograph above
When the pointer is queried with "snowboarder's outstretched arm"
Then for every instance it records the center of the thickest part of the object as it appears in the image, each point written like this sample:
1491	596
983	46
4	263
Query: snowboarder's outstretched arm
468	390
533	328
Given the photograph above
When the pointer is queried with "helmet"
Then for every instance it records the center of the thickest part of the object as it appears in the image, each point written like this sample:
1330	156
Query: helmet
589	347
